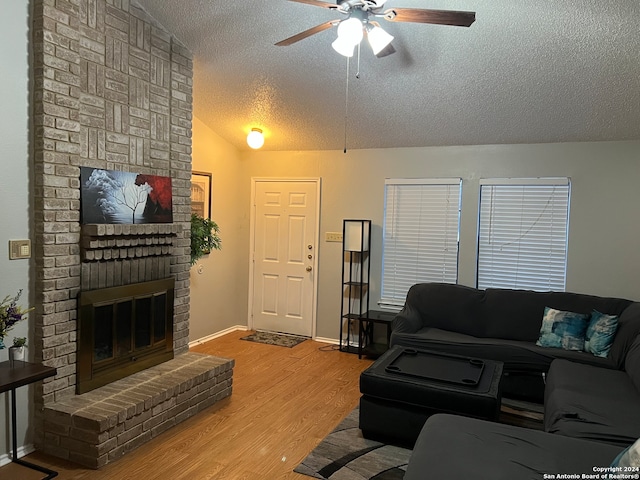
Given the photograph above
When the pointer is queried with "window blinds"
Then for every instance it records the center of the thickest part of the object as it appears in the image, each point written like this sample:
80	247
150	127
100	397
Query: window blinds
522	234
420	235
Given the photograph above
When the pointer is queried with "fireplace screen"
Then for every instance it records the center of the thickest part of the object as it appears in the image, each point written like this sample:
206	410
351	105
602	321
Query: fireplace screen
123	330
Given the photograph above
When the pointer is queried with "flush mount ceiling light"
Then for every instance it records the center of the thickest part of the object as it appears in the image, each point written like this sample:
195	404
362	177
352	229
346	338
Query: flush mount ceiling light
255	139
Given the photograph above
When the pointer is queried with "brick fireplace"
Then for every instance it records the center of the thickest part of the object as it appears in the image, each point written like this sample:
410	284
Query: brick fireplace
112	90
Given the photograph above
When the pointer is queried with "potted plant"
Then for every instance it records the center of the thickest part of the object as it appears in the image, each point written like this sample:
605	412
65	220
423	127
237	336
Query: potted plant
17	350
204	237
10	314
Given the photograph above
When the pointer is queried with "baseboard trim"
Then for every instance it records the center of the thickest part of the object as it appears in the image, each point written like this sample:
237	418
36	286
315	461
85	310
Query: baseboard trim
22	451
332	341
218	334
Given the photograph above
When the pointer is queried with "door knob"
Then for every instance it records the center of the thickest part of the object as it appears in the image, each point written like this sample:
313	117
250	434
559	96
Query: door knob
309	269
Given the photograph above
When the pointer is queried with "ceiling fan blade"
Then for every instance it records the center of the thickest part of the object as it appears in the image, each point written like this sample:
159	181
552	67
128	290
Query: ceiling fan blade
438	17
316	3
307	33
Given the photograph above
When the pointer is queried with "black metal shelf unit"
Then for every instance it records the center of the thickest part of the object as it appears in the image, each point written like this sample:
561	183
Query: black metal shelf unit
356	269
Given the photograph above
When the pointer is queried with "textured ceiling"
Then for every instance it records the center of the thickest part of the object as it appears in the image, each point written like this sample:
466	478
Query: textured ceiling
524	72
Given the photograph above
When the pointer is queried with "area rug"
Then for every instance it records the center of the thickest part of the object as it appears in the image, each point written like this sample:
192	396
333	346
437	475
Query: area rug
275	339
345	455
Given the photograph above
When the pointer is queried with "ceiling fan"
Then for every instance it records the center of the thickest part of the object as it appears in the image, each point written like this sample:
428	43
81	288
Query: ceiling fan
360	21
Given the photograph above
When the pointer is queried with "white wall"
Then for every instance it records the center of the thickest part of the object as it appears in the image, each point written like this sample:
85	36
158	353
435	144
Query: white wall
14	188
603	256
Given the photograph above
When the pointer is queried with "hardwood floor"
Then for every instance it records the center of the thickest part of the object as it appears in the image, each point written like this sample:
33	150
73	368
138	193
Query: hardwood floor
284	401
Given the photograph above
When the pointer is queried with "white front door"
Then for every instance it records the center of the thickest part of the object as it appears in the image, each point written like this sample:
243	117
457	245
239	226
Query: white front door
284	255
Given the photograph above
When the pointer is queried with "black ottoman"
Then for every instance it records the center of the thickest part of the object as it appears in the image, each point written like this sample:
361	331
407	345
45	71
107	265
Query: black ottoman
405	386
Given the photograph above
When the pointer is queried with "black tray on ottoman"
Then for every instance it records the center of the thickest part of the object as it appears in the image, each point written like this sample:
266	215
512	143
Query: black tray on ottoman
405	386
439	367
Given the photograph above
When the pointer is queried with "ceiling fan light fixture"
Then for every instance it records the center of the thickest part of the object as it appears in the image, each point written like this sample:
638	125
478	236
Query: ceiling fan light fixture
378	38
350	30
255	139
343	47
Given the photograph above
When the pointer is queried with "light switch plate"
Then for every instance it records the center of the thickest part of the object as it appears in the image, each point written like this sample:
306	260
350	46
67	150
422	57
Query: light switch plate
19	249
333	236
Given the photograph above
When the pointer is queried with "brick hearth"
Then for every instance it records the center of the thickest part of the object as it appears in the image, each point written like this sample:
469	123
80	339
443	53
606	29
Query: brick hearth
100	426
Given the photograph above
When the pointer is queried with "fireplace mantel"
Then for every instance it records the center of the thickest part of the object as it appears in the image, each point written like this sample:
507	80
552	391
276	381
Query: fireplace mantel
119	241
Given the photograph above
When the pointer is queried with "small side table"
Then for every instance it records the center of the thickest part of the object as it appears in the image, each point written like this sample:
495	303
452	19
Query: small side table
23	373
366	346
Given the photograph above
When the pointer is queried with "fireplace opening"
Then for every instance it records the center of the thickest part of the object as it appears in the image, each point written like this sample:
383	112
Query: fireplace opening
123	330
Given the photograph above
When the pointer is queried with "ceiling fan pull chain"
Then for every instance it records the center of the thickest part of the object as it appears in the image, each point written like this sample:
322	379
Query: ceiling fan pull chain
346	107
358	72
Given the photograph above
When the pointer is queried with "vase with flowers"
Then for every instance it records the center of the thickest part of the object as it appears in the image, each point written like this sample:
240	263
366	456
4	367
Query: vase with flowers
10	314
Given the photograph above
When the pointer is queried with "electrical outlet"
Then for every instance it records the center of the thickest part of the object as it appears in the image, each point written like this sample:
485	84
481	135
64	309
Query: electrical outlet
333	236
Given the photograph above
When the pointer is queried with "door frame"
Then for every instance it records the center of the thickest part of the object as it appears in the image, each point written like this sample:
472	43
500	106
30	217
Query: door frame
252	243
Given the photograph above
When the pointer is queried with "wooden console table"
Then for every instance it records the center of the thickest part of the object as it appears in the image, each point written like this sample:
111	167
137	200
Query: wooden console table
23	373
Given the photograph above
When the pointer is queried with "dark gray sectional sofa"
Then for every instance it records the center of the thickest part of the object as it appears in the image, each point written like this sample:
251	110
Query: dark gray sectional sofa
500	324
456	448
591	404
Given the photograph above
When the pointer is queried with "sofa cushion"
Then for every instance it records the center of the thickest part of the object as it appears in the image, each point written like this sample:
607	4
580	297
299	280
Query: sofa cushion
592	403
628	331
562	329
442	305
517	314
512	314
454	448
600	333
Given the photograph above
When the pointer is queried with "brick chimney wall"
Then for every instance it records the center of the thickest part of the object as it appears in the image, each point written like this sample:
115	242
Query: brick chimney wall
112	90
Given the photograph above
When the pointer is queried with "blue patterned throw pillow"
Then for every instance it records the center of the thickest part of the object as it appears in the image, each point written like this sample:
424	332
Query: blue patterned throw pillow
564	330
629	457
600	332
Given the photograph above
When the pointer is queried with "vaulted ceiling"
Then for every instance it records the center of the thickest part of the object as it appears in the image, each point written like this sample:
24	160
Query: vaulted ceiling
524	72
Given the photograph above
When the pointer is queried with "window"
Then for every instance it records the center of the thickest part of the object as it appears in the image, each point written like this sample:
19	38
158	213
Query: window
522	233
420	235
